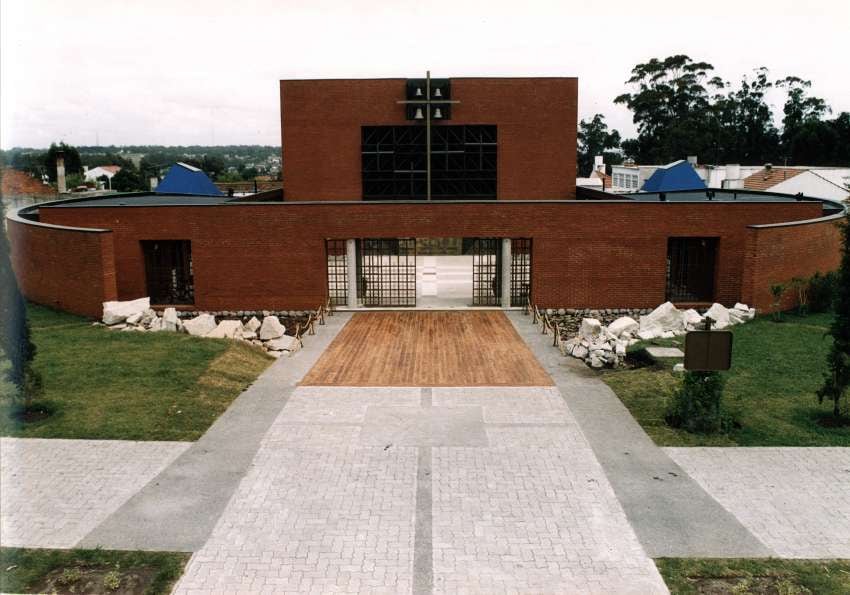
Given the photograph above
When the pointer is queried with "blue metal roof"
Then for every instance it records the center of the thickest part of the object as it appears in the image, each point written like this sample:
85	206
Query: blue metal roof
679	175
185	179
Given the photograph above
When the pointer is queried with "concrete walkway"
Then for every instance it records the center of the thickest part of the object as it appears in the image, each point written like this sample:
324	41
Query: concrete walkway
178	509
671	513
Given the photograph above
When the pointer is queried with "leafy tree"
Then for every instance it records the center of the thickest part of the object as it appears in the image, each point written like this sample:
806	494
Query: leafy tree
128	180
804	133
212	165
595	139
669	106
15	343
73	163
249	173
837	380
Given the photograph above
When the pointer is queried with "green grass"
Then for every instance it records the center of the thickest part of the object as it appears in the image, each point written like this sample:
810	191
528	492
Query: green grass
686	576
27	570
108	384
770	390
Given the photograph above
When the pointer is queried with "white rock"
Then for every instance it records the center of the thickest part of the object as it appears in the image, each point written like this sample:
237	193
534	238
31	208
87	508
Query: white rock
751	314
679	369
200	325
135	318
271	328
622	325
620	348
632	342
580	351
226	329
741	307
248	335
170	321
691	318
648	334
275	354
284	343
719	314
115	312
737	316
668	335
595	362
155	325
665	317
252	325
590	329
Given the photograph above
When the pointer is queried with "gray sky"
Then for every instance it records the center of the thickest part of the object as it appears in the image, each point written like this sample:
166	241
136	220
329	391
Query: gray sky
179	72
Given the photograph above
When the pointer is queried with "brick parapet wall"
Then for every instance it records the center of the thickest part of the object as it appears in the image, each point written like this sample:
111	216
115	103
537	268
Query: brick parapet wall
67	269
585	255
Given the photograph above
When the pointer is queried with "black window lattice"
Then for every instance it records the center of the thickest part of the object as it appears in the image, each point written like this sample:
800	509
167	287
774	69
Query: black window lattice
168	271
690	269
520	271
337	272
486	272
463	162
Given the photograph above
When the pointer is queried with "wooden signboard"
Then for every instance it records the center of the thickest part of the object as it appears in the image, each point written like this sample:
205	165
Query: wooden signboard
707	351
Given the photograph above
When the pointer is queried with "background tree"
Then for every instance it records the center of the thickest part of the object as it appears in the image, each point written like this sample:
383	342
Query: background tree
595	139
73	163
804	134
128	180
837	381
249	173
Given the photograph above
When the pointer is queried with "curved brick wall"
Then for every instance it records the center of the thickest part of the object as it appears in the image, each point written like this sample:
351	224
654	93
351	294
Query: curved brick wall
68	269
779	253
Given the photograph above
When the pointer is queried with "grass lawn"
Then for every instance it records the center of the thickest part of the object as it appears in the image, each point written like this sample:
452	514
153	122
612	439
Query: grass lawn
89	571
108	384
770	390
774	576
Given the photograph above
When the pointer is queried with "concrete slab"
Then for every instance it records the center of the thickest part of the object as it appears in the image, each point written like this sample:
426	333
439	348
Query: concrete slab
665	352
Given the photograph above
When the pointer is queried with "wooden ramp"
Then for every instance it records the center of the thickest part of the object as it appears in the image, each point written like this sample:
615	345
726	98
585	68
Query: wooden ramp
442	348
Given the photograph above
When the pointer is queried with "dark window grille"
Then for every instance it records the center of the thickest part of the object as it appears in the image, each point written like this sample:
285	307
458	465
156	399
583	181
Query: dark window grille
690	269
168	271
520	271
486	272
463	162
337	272
387	272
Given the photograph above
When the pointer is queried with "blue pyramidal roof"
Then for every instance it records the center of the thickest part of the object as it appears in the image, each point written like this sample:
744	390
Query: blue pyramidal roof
679	175
183	178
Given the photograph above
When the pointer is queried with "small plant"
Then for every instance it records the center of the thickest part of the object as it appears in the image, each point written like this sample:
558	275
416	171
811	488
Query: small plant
777	290
801	286
70	576
822	291
112	580
696	406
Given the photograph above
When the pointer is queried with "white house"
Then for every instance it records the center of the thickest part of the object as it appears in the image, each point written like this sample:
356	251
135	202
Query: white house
818	182
107	171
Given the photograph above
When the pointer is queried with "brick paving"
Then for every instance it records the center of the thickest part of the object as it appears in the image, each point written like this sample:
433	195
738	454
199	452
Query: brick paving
525	508
795	500
53	492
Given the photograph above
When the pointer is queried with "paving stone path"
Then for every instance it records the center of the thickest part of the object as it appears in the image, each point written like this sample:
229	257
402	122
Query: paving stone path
795	500
400	490
53	492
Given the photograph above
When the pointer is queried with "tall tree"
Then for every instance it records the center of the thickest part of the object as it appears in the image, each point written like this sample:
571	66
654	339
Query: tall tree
73	163
837	381
669	105
595	139
804	133
742	123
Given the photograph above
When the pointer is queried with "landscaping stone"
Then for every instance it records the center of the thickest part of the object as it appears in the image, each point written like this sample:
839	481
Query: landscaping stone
624	324
226	329
720	315
664	318
115	312
135	318
692	319
271	328
590	329
200	325
252	325
247	335
170	322
665	352
284	343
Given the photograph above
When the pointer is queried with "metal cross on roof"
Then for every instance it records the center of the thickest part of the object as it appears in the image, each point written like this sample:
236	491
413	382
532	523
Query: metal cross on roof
427	101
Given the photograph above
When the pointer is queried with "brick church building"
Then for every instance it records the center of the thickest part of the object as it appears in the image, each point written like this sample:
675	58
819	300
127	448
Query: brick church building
378	173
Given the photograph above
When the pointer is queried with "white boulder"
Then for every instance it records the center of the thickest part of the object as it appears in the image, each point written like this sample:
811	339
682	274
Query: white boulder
247	335
200	325
271	328
691	318
135	318
115	312
170	321
580	351
252	325
665	317
622	325
284	343
720	315
590	329
226	329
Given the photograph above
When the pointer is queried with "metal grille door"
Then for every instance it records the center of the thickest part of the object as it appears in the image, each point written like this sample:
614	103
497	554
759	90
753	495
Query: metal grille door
168	271
486	272
337	272
387	272
520	271
690	269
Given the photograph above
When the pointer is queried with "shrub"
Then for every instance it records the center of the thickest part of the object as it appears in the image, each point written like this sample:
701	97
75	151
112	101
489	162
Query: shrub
822	291
696	406
837	381
777	290
801	286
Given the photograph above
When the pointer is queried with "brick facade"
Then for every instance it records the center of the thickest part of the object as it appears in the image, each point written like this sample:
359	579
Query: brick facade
585	254
536	120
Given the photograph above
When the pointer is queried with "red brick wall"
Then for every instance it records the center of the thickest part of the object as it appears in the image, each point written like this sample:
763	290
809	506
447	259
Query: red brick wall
536	119
585	254
66	269
779	254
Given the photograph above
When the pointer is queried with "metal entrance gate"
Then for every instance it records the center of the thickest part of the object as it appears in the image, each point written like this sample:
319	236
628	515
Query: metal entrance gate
486	272
387	272
520	271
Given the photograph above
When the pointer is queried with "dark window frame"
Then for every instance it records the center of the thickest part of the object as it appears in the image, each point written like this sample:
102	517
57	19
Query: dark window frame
169	272
691	268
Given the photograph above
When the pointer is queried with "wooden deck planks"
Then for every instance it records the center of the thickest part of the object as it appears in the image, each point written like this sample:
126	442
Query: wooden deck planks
473	348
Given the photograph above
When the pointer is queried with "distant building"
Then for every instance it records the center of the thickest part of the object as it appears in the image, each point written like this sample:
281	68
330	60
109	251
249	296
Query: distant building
102	171
821	182
183	178
679	175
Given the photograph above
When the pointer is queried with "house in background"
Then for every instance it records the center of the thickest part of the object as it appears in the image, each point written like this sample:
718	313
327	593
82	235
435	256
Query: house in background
822	182
679	175
101	171
183	178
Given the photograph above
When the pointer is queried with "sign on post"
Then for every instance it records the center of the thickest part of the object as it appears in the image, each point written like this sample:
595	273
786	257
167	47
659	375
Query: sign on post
707	351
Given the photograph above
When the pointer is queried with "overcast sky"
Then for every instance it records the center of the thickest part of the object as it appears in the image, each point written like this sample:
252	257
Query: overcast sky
179	72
